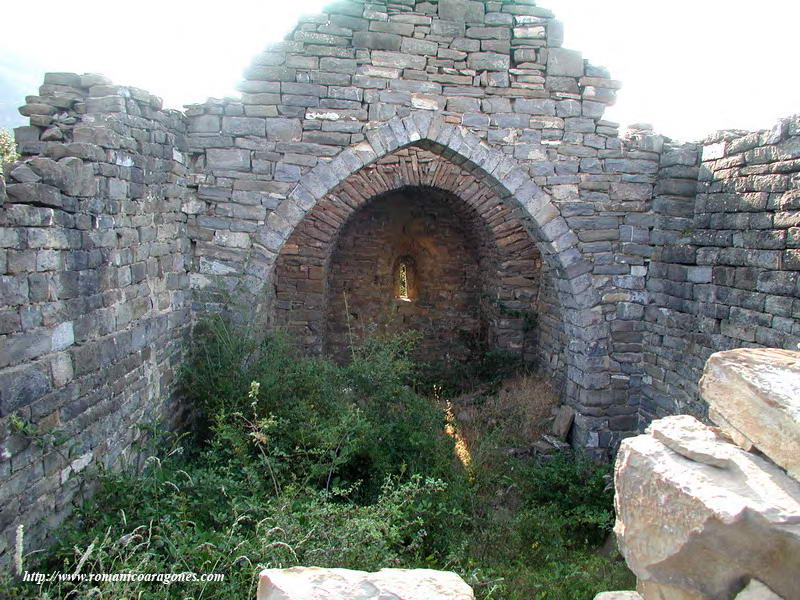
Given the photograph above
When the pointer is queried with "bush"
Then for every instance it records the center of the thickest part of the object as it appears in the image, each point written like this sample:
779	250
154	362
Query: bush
311	422
537	527
450	377
576	492
181	515
299	461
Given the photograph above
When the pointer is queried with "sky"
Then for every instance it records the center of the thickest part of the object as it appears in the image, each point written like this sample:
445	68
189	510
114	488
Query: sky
688	67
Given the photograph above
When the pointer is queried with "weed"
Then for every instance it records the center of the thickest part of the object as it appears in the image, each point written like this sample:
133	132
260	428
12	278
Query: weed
298	461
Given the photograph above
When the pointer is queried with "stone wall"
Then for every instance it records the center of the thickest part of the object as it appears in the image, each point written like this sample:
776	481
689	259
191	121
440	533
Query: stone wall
442	272
638	257
487	87
726	259
94	291
473	260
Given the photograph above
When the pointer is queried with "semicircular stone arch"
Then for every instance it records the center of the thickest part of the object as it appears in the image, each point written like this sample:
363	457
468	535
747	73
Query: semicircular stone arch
587	370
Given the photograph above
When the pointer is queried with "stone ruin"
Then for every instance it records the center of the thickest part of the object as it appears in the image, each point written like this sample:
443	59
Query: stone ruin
714	512
703	512
443	166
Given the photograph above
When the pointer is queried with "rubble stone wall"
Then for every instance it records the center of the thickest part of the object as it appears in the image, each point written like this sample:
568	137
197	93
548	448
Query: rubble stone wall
635	257
486	86
421	234
418	231
726	258
94	291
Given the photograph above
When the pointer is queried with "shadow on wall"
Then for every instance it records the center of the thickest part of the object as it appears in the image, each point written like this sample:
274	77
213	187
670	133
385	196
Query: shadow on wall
474	272
409	260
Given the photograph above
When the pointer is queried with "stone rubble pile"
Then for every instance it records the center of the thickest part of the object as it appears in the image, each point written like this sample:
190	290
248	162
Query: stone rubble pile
698	516
556	439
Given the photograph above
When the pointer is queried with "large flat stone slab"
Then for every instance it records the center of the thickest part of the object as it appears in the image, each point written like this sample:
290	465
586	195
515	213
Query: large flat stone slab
756	590
754	396
314	583
697	516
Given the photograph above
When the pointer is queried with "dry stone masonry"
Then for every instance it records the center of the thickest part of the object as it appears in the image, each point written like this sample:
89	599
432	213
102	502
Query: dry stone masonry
95	305
726	256
457	139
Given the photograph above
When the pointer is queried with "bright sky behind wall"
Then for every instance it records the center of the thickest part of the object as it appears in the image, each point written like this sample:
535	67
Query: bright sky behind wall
689	67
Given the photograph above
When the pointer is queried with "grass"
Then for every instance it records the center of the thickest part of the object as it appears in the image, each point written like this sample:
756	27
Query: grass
296	461
516	413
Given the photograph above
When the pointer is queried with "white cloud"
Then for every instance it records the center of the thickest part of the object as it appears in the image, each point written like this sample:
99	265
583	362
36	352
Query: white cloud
687	66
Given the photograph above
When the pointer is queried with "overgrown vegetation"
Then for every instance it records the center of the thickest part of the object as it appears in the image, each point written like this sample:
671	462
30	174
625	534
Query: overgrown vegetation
449	378
298	461
511	413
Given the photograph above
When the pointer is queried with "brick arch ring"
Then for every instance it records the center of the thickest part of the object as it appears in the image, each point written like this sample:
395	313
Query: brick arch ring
587	377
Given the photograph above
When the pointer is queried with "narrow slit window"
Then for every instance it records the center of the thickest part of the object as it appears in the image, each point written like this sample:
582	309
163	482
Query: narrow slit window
402	282
405	285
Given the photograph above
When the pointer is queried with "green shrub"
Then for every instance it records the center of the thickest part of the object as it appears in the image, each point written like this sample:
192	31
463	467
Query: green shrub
537	527
202	515
453	377
574	491
303	462
308	421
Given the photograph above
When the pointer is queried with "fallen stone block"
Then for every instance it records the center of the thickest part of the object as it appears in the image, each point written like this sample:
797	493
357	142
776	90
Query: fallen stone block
618	596
697	517
562	422
690	438
754	396
314	583
756	590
